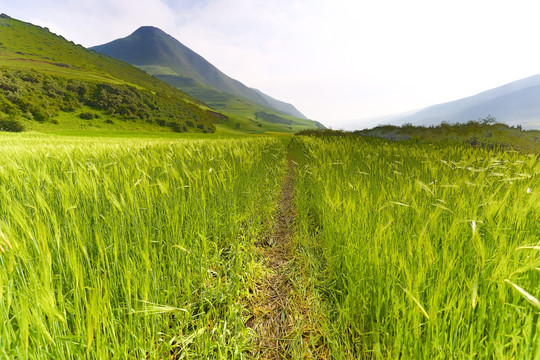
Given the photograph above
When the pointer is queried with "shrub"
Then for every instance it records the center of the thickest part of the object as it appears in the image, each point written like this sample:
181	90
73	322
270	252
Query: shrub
40	115
11	125
86	115
177	127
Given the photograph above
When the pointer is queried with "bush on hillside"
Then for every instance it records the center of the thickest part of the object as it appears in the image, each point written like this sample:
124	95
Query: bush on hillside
40	97
40	115
11	125
86	115
177	127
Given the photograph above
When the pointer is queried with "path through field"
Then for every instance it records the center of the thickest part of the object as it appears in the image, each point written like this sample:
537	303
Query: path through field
273	320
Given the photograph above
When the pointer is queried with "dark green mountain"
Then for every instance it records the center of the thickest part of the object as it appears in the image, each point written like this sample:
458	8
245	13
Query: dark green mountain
166	58
48	82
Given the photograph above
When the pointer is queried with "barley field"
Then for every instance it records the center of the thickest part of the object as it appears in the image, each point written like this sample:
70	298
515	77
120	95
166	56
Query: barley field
147	248
421	251
130	248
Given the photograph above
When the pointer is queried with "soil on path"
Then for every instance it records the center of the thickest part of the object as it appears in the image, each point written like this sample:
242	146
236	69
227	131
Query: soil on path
273	317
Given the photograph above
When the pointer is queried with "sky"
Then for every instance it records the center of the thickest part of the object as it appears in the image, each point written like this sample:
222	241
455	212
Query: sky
341	62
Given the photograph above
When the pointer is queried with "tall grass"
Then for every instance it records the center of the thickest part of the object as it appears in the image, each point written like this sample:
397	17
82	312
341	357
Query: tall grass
421	251
130	248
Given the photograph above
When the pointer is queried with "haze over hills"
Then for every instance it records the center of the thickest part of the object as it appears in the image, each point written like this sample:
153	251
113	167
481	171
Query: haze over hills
516	103
165	57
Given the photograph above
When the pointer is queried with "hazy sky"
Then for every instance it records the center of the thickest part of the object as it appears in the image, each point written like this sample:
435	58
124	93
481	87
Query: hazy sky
337	61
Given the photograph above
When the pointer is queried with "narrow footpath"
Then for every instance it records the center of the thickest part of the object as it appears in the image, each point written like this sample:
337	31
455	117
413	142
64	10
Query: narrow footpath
274	308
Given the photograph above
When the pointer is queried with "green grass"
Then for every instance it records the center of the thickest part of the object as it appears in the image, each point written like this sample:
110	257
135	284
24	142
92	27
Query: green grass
119	247
420	251
483	132
130	248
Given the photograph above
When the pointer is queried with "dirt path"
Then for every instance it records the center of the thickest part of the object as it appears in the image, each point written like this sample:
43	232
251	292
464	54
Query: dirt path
273	313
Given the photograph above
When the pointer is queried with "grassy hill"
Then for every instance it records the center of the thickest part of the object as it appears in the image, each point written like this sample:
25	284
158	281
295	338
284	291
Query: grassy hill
47	82
163	56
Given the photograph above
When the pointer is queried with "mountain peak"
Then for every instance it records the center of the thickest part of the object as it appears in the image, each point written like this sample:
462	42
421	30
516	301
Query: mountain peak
154	49
148	30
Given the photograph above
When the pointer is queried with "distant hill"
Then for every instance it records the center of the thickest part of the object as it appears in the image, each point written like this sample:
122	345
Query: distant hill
516	103
484	132
167	58
47	82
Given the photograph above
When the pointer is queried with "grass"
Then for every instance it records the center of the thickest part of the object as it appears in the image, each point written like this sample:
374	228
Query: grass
130	248
119	247
483	132
420	251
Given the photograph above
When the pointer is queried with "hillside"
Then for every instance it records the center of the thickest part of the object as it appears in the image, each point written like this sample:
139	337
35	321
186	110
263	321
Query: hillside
515	103
166	58
47	82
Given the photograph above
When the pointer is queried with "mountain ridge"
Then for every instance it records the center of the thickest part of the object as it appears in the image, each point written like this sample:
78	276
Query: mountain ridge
160	54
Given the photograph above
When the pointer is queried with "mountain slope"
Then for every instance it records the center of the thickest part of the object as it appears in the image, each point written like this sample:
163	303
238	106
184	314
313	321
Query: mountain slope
165	57
282	106
516	103
45	79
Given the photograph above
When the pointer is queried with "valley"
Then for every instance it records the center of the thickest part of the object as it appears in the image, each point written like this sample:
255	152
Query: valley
150	212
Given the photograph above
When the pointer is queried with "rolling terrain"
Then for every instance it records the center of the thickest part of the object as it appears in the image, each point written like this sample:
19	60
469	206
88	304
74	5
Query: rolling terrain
324	245
484	133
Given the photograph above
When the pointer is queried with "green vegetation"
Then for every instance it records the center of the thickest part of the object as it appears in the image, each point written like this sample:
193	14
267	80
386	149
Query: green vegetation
31	95
44	78
272	118
130	248
122	247
241	115
420	251
11	125
485	132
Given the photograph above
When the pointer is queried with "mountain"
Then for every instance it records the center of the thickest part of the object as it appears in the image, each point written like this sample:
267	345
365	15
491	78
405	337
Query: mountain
516	103
163	56
48	82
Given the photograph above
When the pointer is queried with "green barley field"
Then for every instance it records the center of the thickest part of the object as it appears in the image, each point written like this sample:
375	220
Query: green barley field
146	248
421	251
130	248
